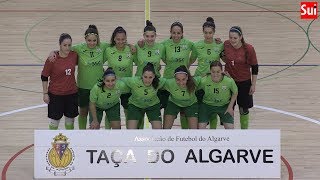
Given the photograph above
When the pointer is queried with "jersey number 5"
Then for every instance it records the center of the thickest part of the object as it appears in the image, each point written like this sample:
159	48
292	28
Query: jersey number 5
145	92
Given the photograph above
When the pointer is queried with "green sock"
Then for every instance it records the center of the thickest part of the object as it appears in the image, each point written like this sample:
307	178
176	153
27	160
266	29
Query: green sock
69	126
82	122
184	122
107	123
244	121
213	122
51	127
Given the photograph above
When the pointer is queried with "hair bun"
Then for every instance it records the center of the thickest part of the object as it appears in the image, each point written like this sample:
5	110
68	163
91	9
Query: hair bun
150	64
119	27
149	23
93	26
210	19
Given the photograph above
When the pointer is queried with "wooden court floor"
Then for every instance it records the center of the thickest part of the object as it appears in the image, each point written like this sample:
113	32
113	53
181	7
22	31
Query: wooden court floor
287	95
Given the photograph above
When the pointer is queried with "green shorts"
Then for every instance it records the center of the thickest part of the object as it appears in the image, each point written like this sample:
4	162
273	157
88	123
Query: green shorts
206	112
84	95
190	111
113	113
136	113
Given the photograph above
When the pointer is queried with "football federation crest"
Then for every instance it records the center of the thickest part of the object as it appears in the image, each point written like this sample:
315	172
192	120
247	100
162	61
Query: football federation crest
60	157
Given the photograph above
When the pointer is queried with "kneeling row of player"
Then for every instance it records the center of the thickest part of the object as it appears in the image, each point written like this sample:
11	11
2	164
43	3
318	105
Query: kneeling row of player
220	93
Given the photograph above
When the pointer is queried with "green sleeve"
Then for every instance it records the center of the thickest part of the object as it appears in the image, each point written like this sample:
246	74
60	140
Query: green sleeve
166	85
93	94
201	82
197	80
162	82
123	87
104	46
163	53
77	47
134	58
194	53
127	81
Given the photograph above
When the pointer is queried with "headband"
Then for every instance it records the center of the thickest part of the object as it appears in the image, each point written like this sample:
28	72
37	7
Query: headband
235	29
91	34
180	72
109	73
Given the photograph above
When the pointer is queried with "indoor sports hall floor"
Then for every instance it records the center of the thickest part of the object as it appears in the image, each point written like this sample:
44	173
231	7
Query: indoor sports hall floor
288	49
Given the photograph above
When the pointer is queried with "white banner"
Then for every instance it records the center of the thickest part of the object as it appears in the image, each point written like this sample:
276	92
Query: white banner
157	154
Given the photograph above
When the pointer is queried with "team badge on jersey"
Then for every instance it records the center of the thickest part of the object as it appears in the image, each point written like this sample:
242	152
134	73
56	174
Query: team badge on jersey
99	50
157	52
128	55
184	47
224	88
216	49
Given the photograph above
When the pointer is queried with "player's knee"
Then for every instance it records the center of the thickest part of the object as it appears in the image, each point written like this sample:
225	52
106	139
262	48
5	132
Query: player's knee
69	121
53	124
243	111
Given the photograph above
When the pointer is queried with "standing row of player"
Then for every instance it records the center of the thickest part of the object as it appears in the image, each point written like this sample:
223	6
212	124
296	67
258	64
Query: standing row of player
61	95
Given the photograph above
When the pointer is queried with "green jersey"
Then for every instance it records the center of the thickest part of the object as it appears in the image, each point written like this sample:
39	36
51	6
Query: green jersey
181	96
90	64
108	98
206	53
177	54
120	61
142	96
149	54
218	94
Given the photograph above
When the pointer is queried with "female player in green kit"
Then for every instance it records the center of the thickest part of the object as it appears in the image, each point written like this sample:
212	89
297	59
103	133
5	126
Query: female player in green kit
150	52
144	98
182	98
90	68
177	53
104	96
220	94
119	57
242	65
177	50
206	51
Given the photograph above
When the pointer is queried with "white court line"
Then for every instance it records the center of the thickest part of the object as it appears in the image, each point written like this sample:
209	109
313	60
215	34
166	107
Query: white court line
288	113
256	106
23	109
